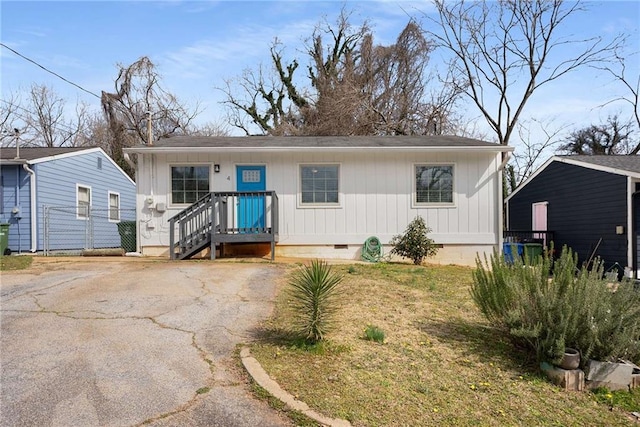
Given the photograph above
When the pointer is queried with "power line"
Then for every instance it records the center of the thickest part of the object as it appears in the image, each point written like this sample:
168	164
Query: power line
48	70
64	126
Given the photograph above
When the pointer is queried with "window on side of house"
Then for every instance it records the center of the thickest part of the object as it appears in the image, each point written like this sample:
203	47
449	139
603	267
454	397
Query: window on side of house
83	201
114	207
189	183
433	184
319	184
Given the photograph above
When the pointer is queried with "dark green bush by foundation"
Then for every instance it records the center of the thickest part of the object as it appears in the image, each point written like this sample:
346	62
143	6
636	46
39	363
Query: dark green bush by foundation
414	243
548	305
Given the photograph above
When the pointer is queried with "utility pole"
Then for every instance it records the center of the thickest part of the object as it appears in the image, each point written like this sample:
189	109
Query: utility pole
16	133
149	130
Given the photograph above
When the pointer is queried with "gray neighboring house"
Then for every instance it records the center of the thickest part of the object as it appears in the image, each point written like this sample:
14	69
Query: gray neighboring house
76	181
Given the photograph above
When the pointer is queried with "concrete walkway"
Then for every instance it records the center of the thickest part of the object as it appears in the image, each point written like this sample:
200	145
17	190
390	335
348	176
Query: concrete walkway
113	342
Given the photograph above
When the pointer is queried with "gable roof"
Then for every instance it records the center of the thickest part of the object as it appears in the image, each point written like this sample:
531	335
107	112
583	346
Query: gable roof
8	154
613	164
619	165
307	143
35	155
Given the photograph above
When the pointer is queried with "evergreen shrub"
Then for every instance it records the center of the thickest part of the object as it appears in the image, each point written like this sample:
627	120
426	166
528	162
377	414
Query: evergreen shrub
549	305
414	243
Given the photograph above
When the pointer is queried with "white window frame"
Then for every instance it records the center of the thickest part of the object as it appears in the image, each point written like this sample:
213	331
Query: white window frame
79	212
195	165
414	184
327	205
109	208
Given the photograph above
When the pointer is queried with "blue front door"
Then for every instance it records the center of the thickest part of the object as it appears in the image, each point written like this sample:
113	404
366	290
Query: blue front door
251	207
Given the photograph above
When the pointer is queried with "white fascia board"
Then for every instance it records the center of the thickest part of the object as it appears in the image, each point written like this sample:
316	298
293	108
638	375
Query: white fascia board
173	150
575	163
599	167
64	155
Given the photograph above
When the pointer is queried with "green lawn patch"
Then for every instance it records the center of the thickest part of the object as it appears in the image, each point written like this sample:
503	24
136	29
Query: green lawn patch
8	263
441	362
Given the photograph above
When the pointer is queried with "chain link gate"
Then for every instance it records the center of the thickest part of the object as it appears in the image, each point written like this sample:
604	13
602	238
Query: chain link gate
72	229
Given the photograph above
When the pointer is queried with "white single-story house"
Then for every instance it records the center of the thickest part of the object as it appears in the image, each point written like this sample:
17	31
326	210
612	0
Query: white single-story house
318	196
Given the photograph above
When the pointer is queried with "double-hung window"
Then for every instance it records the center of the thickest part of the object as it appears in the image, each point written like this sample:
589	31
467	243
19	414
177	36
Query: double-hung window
114	207
189	183
319	184
83	201
433	184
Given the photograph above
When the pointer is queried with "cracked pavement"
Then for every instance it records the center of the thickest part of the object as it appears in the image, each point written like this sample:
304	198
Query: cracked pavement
130	342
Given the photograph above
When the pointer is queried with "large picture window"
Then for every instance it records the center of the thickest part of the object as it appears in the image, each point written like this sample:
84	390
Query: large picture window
319	184
434	184
189	183
83	201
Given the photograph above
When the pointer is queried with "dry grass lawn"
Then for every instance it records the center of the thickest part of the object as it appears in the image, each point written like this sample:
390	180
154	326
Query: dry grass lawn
441	363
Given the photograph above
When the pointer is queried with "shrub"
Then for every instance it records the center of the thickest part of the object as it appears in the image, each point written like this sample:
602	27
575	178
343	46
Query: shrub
373	333
549	305
414	243
314	290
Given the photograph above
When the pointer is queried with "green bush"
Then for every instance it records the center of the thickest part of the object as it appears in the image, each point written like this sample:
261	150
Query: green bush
414	243
549	305
314	291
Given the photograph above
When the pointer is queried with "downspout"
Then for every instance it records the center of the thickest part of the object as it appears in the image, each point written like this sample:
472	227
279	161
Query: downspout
505	158
17	205
630	191
34	213
134	166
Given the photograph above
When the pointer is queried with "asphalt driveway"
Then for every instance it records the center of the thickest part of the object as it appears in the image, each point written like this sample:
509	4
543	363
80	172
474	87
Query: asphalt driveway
121	342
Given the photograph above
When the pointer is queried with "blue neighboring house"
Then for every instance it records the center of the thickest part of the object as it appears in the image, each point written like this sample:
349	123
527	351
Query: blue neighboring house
81	188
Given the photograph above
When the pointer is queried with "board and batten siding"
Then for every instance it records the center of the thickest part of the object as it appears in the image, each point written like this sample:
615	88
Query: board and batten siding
56	183
584	206
376	190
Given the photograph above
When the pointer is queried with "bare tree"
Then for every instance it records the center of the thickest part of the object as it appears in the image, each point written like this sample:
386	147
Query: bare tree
504	51
537	140
610	138
355	87
138	98
45	119
96	133
630	82
209	129
10	120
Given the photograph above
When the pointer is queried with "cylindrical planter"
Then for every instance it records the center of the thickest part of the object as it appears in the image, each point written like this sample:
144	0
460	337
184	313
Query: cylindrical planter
571	359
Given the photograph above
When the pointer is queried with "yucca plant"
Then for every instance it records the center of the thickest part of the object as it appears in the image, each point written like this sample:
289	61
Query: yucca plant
314	291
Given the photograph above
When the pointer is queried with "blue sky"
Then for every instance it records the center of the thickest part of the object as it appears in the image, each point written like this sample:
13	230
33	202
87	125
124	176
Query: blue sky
196	45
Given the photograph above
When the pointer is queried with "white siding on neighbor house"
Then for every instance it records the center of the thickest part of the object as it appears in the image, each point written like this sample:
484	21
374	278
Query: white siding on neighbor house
376	191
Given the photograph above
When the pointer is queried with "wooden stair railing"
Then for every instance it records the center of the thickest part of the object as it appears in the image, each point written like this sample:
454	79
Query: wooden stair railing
194	229
224	218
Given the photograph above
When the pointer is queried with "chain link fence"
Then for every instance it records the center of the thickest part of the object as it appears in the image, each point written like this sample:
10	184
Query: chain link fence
72	229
